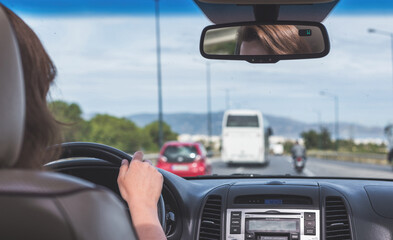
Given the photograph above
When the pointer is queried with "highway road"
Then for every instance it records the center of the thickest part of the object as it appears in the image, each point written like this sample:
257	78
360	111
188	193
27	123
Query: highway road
281	165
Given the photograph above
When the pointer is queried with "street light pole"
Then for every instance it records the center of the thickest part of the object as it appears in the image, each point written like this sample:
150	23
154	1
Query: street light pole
209	110
336	125
158	49
389	34
320	128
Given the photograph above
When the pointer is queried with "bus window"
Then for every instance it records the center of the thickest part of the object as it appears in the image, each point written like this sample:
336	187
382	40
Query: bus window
242	121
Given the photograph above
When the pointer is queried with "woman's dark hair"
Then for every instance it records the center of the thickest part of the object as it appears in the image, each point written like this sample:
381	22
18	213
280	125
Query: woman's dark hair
41	129
281	39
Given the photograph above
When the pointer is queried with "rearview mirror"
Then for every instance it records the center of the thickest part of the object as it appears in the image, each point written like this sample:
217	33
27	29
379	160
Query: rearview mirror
265	43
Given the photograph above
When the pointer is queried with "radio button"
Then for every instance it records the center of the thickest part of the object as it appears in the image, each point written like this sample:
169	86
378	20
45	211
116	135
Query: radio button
249	236
235	221
235	230
309	224
295	236
236	214
309	216
309	231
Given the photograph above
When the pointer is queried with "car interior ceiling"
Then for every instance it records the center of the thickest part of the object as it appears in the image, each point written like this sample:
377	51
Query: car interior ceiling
227	13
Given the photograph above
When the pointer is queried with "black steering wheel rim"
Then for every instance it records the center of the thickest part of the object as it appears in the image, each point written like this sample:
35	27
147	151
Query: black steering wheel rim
93	150
106	153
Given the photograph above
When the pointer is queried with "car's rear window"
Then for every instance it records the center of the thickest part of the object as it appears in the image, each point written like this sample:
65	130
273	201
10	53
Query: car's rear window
242	121
180	153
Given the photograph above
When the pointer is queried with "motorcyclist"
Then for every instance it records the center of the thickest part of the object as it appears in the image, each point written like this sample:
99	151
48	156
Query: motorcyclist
298	151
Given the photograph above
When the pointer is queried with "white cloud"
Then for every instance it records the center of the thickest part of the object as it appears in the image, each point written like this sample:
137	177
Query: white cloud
109	65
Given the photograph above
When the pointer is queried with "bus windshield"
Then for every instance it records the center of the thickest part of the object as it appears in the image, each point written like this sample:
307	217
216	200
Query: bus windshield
242	121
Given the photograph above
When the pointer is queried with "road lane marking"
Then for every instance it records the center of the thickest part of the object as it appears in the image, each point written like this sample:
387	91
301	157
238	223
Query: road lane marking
308	173
239	170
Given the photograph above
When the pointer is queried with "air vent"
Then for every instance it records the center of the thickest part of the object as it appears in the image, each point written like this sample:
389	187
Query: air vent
211	219
337	222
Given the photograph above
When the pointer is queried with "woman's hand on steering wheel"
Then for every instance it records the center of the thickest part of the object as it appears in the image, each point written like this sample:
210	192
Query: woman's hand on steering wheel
140	186
139	182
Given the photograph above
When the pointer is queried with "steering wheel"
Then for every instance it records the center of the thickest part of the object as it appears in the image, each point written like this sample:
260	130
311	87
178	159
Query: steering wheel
107	153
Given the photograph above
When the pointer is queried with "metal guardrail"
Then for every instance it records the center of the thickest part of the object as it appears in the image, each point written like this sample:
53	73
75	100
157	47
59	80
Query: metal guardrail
348	154
372	158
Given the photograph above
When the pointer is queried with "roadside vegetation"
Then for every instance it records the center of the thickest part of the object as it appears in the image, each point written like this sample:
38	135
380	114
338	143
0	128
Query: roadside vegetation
322	141
117	132
320	145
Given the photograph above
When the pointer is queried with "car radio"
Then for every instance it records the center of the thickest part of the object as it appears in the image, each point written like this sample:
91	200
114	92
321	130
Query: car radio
273	224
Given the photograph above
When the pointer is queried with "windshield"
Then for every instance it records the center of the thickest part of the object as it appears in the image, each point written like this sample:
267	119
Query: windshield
135	80
242	121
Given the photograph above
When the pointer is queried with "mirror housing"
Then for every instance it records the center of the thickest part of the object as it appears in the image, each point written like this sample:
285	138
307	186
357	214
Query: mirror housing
265	42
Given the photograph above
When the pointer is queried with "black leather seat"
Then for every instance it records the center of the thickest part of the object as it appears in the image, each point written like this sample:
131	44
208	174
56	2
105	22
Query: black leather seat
44	205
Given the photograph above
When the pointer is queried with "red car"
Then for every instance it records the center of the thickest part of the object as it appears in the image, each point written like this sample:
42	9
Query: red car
184	159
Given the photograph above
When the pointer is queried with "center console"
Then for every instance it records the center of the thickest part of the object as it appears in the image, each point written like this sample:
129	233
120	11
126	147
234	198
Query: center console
274	211
273	224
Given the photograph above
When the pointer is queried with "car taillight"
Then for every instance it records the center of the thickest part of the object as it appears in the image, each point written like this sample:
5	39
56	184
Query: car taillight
162	159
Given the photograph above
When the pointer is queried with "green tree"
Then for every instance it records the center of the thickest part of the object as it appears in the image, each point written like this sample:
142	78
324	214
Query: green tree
310	139
117	132
73	126
65	112
315	140
152	131
325	139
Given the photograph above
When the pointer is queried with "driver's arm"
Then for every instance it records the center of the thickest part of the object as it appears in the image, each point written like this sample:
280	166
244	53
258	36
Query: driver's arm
140	186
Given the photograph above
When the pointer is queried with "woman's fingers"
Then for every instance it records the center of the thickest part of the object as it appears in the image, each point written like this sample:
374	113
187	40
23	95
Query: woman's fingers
120	178
139	182
148	161
137	156
123	169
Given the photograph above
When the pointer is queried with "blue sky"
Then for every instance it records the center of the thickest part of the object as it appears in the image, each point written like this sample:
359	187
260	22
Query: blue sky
101	6
168	6
107	64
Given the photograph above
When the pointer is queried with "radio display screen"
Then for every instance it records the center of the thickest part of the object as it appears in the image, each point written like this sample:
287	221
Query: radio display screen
277	225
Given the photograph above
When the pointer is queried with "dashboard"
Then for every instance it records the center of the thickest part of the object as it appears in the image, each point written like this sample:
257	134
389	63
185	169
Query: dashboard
274	208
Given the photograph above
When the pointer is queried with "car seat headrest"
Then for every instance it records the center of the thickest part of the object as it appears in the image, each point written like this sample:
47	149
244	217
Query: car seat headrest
12	94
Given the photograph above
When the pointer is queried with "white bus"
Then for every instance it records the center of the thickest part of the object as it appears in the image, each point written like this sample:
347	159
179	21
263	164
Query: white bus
245	137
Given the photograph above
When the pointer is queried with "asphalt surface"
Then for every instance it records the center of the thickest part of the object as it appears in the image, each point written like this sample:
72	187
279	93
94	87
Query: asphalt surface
282	165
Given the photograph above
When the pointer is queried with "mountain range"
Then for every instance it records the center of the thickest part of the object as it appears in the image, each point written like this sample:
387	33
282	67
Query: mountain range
196	123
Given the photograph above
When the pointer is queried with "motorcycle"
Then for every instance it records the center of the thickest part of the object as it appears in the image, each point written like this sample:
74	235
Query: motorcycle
300	163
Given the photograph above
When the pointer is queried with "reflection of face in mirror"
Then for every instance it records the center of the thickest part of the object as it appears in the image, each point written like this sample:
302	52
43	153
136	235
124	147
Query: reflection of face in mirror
271	40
